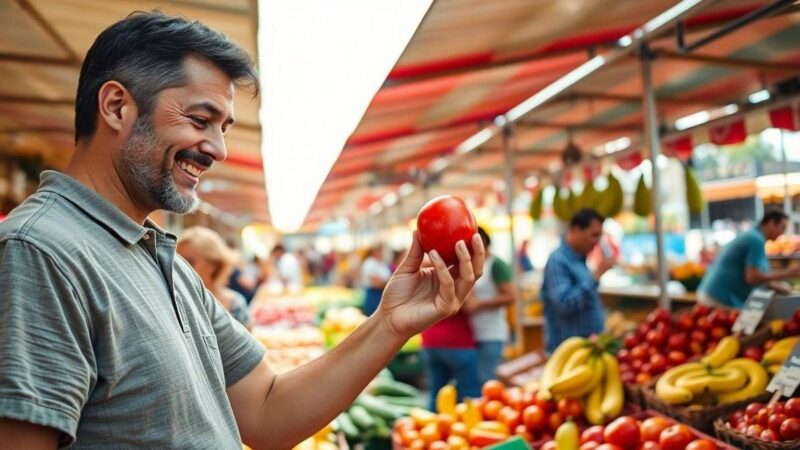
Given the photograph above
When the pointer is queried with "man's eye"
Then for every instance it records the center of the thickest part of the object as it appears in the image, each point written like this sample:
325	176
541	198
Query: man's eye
199	121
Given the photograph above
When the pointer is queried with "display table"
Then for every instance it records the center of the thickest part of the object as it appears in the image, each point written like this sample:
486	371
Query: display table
644	292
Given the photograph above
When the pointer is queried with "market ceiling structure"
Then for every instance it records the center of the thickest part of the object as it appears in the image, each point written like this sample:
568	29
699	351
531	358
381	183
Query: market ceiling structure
470	61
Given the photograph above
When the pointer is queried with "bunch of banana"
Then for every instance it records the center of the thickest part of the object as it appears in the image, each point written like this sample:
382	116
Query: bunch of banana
642	199
536	204
562	206
580	370
774	357
717	374
610	201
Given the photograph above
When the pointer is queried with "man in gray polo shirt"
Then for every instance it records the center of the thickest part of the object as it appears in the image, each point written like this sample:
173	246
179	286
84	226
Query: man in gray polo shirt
107	339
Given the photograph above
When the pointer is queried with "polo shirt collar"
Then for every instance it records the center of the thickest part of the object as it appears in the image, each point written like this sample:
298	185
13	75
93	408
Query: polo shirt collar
95	206
572	253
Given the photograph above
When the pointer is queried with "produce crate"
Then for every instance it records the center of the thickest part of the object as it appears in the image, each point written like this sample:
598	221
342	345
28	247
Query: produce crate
744	442
700	418
642	415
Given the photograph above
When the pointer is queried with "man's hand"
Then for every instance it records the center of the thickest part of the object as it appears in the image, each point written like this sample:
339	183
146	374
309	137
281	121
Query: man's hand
416	297
780	287
605	265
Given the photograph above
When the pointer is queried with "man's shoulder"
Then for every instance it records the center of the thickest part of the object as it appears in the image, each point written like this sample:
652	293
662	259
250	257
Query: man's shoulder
44	220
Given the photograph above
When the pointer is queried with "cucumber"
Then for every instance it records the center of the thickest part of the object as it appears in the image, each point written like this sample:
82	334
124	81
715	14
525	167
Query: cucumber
386	374
401	401
381	386
378	407
361	417
347	426
382	429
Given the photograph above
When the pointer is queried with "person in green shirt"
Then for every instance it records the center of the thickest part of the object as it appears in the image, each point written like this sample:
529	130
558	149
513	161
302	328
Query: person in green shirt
742	265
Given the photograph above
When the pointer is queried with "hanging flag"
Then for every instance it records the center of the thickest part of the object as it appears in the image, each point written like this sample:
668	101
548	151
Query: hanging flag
630	161
729	133
591	171
680	147
786	117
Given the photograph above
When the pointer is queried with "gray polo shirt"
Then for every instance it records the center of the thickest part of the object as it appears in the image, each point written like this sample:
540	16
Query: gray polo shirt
105	335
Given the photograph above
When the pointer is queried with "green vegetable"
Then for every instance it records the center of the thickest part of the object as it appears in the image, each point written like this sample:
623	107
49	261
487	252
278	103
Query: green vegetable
347	426
361	417
381	386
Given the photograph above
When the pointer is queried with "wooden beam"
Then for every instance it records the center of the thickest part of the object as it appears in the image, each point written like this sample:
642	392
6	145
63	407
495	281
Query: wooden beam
737	63
577	126
49	29
630	98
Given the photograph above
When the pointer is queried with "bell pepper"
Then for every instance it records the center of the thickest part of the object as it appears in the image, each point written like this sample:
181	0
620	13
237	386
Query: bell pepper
483	438
472	415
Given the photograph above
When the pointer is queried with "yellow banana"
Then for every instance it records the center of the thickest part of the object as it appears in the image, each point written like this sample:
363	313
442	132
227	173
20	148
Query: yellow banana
776	355
724	379
757	378
592	411
788	342
613	394
666	389
726	350
579	381
774	368
446	399
555	365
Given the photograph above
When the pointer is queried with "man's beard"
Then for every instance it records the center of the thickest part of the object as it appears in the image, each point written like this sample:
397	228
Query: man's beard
149	177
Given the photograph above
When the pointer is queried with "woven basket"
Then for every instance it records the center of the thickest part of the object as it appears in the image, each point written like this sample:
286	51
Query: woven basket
744	442
699	418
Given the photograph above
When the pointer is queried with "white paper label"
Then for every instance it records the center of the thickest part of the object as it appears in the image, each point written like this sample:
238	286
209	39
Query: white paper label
753	311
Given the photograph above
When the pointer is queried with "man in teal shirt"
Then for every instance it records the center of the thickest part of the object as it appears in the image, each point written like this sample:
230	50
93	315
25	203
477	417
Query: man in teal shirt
742	265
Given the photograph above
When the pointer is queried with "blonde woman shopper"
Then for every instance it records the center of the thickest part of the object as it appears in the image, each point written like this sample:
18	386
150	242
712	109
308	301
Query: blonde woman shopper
214	261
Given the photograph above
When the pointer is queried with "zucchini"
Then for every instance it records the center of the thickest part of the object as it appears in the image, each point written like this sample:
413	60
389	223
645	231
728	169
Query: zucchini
361	417
401	401
382	429
347	426
381	386
378	407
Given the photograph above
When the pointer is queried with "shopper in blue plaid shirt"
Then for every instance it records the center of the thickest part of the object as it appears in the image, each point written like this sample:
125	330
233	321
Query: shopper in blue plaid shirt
569	290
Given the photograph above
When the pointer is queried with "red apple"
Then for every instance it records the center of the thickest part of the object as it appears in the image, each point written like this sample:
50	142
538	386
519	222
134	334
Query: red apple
630	340
624	355
700	310
777	408
792	328
658	364
698	336
636	365
655	338
790	429
769	435
796	315
685	322
639	352
752	409
702	323
792	407
754	430
678	341
718	333
718	317
753	352
762	418
733	316
643	377
629	377
676	357
736	418
775	421
593	434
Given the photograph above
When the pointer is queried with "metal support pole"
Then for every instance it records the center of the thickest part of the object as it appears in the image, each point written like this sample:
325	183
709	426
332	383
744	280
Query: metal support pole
508	158
654	143
787	198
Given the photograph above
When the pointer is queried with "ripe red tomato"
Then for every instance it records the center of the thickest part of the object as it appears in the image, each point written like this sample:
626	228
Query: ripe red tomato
753	409
676	437
534	418
570	408
792	407
510	417
701	444
676	357
790	429
623	432
444	221
593	434
493	390
554	420
652	428
649	445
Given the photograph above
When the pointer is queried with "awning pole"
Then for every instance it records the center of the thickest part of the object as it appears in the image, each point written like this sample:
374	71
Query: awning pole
654	143
787	198
509	176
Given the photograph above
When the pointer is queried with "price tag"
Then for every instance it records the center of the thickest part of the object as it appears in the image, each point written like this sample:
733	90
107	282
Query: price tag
753	310
788	378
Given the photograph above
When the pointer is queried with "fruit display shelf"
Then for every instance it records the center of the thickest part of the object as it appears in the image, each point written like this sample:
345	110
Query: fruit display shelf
775	426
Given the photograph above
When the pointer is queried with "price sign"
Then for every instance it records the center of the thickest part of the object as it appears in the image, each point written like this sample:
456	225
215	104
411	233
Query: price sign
753	310
788	378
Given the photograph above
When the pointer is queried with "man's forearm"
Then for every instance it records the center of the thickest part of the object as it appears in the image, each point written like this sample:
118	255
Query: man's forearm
768	277
345	370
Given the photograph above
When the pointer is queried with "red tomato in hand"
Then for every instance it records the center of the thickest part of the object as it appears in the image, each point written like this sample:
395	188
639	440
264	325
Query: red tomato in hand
676	437
444	221
623	432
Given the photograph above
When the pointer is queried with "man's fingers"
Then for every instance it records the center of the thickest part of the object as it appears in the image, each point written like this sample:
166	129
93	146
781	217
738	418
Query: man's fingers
414	258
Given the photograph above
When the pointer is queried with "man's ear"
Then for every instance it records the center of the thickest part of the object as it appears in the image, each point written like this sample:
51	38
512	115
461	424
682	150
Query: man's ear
116	106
